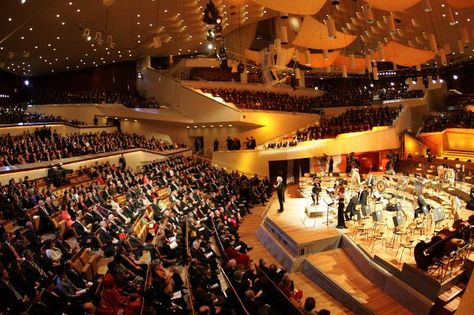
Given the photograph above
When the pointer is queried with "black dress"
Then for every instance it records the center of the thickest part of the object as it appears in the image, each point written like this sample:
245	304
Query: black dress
340	214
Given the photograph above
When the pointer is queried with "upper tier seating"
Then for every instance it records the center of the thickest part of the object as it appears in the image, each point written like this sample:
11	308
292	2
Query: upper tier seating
45	145
129	99
352	120
248	99
452	119
17	114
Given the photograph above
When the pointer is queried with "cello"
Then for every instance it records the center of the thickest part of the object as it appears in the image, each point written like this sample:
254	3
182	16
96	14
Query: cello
444	242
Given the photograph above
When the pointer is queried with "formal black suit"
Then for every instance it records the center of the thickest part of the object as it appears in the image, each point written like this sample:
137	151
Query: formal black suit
280	189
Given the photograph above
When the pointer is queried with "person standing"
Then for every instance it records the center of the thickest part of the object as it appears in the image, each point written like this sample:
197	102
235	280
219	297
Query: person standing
330	165
280	189
341	224
216	145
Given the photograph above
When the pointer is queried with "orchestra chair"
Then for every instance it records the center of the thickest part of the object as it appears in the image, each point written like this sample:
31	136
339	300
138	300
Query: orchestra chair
409	244
378	235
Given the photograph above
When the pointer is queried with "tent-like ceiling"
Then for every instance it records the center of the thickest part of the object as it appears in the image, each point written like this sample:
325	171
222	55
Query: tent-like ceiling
460	4
302	7
357	67
392	5
314	34
318	61
406	56
286	55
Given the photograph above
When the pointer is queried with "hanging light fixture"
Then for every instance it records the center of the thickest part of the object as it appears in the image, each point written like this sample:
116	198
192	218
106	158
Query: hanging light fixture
432	41
284	35
375	72
331	26
381	51
297	73
451	19
370	15
352	61
461	46
344	71
368	63
325	54
465	35
391	24
427	5
307	57
442	56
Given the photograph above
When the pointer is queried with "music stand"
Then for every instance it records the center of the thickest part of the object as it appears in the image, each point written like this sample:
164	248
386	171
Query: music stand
329	202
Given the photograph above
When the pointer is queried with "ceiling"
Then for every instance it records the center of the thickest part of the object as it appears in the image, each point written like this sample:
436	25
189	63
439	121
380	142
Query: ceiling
48	36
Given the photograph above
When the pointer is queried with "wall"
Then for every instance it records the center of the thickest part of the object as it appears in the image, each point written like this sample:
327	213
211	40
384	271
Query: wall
263	126
168	91
160	130
256	161
413	146
458	139
119	76
135	159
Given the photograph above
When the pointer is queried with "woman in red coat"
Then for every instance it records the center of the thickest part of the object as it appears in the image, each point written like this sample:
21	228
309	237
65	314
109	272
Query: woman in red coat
232	253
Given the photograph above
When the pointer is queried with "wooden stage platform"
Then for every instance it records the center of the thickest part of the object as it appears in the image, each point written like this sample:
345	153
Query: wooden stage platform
366	280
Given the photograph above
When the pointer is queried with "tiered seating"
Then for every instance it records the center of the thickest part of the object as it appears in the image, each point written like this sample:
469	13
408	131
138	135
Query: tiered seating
261	100
353	120
14	114
45	145
452	119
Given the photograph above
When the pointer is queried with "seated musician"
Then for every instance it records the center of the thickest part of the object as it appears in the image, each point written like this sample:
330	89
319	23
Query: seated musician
316	190
422	205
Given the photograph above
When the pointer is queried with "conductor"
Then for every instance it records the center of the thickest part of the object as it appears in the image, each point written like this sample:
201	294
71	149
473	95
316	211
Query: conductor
280	189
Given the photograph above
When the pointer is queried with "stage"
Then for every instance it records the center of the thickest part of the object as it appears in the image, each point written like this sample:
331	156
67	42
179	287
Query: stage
295	239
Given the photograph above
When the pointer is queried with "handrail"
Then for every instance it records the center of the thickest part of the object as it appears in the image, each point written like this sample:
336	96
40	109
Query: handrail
282	298
231	286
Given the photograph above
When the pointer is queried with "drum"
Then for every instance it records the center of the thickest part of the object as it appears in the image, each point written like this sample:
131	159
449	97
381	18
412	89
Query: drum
381	185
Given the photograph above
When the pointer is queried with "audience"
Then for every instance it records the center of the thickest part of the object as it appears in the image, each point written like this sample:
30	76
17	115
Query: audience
46	145
18	114
352	120
261	100
127	98
451	119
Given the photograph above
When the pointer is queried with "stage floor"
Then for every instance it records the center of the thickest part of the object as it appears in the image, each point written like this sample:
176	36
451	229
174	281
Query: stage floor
297	225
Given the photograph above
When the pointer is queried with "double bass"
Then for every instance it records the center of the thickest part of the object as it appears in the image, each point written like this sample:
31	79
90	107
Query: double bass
444	242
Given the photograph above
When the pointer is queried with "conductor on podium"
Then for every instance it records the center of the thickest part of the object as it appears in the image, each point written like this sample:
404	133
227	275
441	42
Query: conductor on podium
280	189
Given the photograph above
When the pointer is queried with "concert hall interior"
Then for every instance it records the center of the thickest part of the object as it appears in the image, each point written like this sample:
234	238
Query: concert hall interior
236	157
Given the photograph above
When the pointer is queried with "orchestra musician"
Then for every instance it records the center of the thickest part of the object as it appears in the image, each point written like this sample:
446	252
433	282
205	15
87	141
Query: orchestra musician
315	191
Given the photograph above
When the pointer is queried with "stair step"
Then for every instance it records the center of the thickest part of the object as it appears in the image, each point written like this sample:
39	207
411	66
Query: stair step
452	306
452	292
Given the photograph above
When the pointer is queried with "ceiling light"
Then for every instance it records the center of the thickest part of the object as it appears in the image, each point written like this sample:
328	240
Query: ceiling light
78	10
455	77
23	1
57	15
88	38
31	29
230	125
26	82
10	19
70	2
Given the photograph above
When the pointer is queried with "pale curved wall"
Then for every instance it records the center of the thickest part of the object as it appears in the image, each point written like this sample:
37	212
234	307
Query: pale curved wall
263	126
256	161
59	128
456	139
135	159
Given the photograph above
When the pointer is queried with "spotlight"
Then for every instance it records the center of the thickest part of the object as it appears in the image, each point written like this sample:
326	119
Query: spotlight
210	46
23	1
26	82
88	38
455	77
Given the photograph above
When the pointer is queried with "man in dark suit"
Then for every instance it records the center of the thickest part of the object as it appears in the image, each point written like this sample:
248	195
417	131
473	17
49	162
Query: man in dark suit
280	189
11	296
363	194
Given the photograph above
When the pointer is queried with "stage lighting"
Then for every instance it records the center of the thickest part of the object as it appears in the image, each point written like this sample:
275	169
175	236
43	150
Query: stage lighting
23	1
26	82
455	77
210	46
219	20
